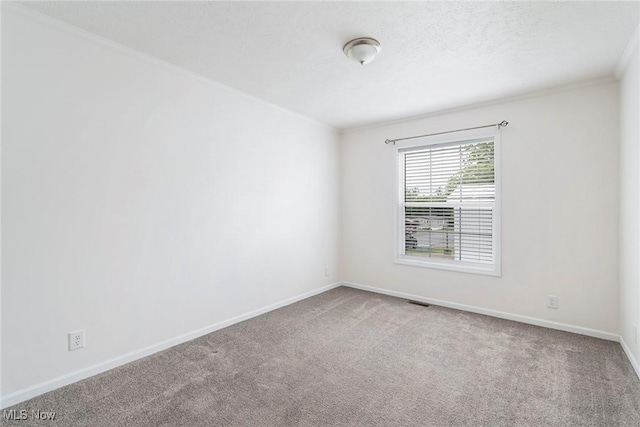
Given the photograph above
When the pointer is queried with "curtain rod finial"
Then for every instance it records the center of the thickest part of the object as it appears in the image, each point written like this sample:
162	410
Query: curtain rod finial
388	141
503	124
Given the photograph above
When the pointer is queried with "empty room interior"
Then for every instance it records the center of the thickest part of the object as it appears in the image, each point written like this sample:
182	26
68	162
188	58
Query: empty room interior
227	213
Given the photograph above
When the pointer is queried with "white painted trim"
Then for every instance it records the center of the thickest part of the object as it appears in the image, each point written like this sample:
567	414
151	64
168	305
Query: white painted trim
632	47
460	137
64	26
448	265
486	103
61	381
493	313
634	362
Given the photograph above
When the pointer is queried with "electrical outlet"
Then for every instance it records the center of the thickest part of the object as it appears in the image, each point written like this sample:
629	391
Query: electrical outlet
326	271
635	334
76	340
552	301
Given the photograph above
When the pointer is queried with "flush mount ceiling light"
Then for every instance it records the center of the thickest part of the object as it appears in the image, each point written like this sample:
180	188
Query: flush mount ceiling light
362	50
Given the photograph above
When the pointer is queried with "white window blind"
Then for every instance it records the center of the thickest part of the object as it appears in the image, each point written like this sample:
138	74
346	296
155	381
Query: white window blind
447	207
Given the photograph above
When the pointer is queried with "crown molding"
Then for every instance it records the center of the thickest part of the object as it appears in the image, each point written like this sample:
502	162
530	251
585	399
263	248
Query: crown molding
633	47
104	41
495	101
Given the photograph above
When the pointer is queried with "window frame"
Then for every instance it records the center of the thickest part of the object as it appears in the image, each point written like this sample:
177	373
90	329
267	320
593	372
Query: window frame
492	269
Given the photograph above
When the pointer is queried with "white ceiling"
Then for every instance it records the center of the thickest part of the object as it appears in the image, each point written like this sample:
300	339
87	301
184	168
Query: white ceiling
435	55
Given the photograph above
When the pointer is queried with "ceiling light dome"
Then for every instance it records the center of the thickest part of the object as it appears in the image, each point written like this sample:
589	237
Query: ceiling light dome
362	50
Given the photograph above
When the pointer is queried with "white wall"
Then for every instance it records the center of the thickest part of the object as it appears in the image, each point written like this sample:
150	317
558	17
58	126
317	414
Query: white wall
630	205
141	202
559	209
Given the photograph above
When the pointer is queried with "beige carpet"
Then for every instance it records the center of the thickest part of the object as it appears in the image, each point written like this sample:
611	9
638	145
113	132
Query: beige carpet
348	357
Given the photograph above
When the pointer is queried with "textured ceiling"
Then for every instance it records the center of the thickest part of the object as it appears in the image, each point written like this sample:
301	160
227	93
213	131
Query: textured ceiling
435	55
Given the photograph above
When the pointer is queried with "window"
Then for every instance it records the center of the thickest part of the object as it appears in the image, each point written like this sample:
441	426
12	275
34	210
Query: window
448	203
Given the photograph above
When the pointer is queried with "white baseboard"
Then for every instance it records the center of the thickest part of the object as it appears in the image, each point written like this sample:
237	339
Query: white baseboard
38	389
630	356
44	387
494	313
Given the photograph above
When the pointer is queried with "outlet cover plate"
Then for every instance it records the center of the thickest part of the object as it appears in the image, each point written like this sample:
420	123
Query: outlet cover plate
76	340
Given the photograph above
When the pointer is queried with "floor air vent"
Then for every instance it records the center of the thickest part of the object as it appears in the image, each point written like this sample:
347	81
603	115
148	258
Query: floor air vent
424	304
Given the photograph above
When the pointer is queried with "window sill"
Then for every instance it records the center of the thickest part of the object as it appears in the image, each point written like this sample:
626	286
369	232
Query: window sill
488	270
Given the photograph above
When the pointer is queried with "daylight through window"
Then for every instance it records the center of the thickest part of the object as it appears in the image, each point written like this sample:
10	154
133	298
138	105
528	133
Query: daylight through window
448	205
